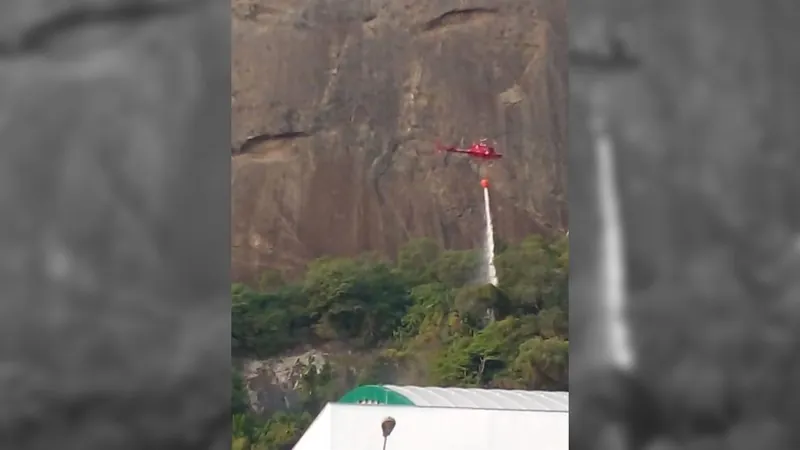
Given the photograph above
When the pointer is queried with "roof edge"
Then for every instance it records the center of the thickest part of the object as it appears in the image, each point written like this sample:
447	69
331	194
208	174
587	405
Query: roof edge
375	394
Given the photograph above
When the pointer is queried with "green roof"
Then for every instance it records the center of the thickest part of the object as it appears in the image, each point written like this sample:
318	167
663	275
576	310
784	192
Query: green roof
439	397
375	394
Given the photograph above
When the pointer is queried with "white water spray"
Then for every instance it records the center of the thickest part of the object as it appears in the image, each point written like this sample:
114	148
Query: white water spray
488	248
612	267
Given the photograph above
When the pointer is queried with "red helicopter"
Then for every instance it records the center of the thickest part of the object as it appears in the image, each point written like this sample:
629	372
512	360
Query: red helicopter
480	150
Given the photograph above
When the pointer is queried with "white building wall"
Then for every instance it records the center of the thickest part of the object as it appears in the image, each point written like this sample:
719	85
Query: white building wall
358	427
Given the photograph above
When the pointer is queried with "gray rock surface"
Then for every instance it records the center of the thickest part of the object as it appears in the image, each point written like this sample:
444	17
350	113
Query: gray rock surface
703	111
114	234
337	107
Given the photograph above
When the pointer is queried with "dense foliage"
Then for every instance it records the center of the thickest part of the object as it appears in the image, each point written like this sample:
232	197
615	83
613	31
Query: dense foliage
424	318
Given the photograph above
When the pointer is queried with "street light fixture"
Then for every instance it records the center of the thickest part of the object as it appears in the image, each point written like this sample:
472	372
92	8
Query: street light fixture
387	426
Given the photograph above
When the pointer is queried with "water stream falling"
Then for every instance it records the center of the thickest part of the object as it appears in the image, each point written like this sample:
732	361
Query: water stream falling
488	248
612	267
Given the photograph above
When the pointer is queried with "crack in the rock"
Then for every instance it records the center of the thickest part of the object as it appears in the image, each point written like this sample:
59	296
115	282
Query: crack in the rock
457	17
381	166
256	11
38	37
369	17
253	141
617	58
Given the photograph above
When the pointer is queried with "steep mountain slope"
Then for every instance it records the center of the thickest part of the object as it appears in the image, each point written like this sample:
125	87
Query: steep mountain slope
337	105
703	119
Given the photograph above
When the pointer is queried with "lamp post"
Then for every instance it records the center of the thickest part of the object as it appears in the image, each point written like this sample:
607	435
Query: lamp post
387	426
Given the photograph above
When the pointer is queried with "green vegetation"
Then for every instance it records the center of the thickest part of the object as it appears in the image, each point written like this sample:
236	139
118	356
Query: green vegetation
420	319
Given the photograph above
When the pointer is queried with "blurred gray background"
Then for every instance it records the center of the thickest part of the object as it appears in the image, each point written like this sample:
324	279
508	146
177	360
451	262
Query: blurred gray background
701	100
114	233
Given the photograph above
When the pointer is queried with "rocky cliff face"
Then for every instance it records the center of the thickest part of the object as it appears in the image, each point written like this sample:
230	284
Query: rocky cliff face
337	105
115	322
700	101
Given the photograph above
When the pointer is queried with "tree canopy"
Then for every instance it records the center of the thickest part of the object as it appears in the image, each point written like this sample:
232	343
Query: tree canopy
423	315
